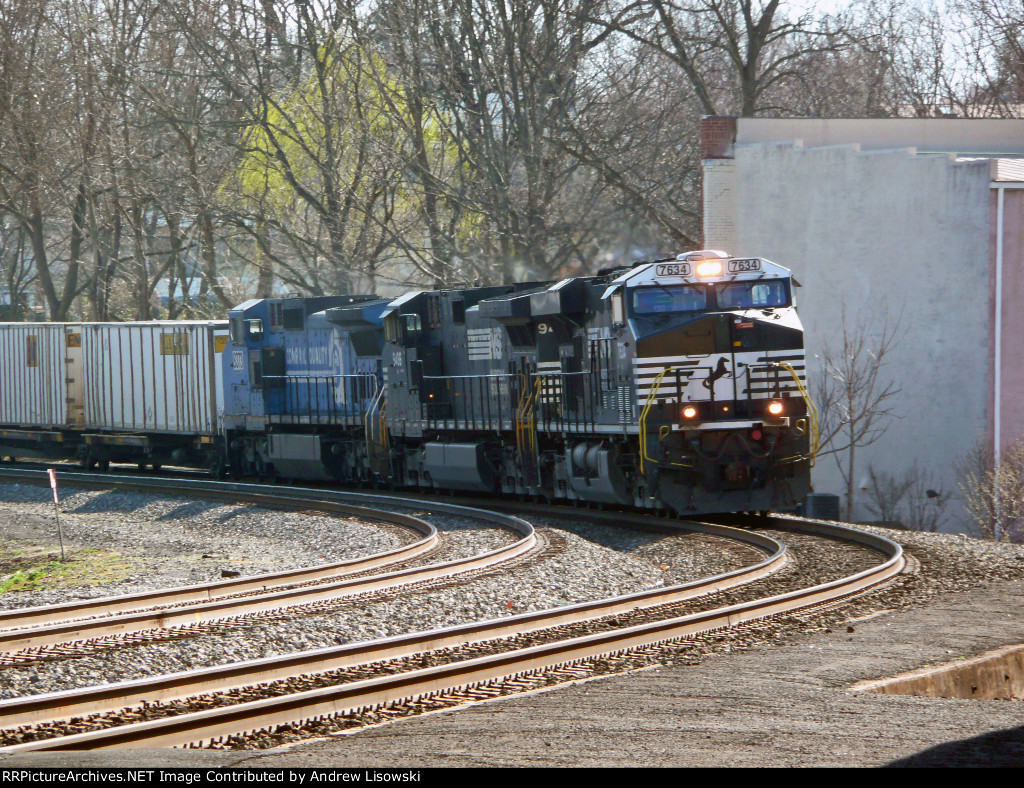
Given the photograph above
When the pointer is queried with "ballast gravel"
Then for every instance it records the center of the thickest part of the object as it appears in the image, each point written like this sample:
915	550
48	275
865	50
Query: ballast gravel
582	562
171	541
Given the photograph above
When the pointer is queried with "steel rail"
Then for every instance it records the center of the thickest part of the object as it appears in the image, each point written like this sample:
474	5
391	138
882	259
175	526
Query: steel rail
110	697
123	623
301	707
68	611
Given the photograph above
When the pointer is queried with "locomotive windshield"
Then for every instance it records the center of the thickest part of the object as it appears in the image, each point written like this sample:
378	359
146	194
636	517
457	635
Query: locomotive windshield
659	299
761	294
665	299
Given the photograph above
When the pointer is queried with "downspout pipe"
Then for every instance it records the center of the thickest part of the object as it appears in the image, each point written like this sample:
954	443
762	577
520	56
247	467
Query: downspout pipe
997	427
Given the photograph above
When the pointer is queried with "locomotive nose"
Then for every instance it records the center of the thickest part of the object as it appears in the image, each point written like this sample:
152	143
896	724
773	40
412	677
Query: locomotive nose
736	472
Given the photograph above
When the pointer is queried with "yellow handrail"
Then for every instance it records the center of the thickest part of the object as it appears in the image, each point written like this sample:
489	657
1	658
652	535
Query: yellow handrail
519	416
525	434
643	415
812	411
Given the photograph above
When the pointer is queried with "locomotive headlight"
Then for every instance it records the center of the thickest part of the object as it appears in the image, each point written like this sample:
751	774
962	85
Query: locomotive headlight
689	412
709	268
775	408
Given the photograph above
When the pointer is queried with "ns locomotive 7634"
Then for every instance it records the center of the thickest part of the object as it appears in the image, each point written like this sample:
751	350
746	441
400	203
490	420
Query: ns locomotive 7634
676	383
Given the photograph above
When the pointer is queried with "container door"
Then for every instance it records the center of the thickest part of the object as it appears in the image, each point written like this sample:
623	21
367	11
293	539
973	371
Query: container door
75	376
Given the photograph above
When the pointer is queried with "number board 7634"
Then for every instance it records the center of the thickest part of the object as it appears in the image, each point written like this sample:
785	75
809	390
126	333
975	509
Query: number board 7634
743	266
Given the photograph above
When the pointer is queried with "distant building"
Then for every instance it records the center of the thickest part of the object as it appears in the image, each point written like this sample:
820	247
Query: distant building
11	311
923	218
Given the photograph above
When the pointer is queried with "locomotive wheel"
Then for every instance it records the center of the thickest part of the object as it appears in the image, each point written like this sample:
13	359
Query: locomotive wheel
104	465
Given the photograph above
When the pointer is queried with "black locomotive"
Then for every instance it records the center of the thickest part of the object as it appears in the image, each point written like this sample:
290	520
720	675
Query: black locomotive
676	383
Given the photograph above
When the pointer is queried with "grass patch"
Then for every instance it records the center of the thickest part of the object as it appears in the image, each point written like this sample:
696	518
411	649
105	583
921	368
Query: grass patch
32	569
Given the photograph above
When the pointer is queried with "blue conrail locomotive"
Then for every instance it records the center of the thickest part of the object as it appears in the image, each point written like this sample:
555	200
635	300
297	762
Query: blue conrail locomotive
676	383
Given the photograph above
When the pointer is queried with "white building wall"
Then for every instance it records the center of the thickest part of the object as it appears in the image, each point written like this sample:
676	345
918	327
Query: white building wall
953	135
877	232
720	202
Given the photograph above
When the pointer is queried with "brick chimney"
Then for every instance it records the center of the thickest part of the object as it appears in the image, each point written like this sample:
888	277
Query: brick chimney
717	136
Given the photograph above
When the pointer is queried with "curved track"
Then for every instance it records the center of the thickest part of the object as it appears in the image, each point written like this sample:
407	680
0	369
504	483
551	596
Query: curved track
203	592
407	685
30	628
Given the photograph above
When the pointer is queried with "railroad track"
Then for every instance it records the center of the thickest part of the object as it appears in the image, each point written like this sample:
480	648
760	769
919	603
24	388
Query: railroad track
405	685
30	629
206	592
106	698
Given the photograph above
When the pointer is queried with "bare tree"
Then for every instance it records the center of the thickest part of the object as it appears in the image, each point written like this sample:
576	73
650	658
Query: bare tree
885	495
40	162
895	64
993	41
231	147
734	54
909	498
638	133
310	168
504	77
994	490
16	272
854	395
926	506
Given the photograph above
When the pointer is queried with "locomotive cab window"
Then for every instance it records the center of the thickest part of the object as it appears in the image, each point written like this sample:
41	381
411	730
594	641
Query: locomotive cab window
413	326
254	330
761	294
668	299
237	332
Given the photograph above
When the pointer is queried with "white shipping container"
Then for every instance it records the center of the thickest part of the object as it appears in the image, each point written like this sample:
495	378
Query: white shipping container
33	375
154	377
